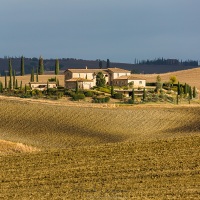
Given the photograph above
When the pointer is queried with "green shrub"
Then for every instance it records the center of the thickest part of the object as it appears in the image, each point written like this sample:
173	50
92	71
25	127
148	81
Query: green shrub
88	93
107	99
130	101
118	96
78	96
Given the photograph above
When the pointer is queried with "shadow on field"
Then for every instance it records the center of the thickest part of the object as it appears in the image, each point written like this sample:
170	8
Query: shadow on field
187	127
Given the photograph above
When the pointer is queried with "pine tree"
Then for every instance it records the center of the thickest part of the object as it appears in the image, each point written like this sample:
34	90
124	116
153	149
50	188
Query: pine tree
22	66
32	75
41	66
6	86
57	67
133	95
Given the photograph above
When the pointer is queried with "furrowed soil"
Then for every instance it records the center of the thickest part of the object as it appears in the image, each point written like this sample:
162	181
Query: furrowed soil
83	152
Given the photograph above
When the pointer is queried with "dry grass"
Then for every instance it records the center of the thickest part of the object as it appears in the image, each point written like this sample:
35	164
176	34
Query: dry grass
42	78
7	147
190	76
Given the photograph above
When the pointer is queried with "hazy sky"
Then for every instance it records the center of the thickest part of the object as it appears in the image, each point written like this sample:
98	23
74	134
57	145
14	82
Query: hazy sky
89	29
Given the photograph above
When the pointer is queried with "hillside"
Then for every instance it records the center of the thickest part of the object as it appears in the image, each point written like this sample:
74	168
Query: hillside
190	76
140	152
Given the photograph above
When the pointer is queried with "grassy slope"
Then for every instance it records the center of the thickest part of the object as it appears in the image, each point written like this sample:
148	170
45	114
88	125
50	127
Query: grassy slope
95	153
190	76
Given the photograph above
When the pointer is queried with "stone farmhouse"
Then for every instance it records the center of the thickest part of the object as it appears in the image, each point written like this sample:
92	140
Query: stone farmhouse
86	78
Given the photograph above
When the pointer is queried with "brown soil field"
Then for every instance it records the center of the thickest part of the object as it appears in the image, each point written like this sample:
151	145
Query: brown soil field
190	76
105	152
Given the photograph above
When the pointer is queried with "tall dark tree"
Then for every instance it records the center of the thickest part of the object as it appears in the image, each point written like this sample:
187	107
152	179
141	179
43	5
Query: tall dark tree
108	63
10	67
22	66
1	87
37	79
57	67
194	92
6	83
77	88
16	84
178	89
100	64
41	66
25	89
185	89
10	73
100	80
112	90
144	94
21	85
133	95
32	75
14	81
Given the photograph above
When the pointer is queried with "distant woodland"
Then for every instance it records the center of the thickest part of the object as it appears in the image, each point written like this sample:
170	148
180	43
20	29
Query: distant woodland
159	65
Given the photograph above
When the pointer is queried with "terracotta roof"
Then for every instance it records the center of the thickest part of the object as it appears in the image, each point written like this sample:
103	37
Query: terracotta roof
119	70
87	71
79	80
131	77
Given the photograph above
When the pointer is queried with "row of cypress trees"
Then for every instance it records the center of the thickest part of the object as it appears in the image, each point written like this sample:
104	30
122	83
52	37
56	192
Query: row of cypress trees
40	68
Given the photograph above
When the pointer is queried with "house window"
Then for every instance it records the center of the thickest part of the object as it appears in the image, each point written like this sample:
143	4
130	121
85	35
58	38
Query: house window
118	75
140	82
79	75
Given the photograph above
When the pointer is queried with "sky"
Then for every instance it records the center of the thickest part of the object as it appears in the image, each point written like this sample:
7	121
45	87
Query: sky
121	31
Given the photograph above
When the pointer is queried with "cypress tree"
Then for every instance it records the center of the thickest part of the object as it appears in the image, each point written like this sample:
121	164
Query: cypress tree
14	74
1	87
185	89
194	92
144	94
16	84
57	67
10	84
37	79
133	95
21	85
47	87
177	99
10	67
190	92
22	66
6	86
57	82
112	90
100	64
32	75
178	89
108	63
77	87
41	66
10	73
25	89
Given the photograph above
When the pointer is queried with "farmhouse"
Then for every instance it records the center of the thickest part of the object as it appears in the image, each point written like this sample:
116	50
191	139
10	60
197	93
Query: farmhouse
41	85
86	78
